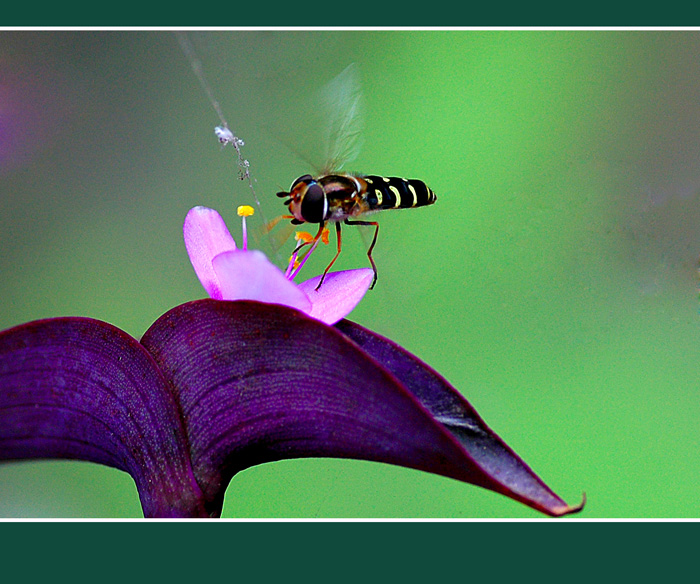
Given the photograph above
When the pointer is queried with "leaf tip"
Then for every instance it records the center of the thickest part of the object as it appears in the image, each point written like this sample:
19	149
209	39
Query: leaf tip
570	509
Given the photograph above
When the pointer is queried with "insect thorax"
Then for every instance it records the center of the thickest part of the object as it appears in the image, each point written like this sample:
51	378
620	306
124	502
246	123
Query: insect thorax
339	186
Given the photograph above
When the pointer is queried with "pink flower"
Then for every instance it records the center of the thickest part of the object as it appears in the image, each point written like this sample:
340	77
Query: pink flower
230	273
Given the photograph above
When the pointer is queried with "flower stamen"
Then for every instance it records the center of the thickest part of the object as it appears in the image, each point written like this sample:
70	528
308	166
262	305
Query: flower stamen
243	212
306	239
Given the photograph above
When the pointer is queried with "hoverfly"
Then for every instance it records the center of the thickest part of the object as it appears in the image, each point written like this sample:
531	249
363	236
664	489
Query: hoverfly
340	197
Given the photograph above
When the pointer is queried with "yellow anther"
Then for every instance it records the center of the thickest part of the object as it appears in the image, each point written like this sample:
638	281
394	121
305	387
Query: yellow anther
324	235
245	211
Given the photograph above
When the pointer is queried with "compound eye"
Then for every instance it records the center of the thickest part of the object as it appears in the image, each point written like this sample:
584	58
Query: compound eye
307	178
314	204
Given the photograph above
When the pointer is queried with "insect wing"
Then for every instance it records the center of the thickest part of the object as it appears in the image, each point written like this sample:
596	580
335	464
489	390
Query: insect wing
271	236
343	107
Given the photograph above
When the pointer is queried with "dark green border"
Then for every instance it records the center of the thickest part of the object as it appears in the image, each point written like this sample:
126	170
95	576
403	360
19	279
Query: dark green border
356	13
331	552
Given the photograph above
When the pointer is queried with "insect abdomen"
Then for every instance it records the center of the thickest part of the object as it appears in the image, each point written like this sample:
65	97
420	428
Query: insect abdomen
391	192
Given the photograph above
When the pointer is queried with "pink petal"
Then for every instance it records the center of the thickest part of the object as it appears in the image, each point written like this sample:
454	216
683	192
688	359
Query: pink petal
339	294
206	236
249	275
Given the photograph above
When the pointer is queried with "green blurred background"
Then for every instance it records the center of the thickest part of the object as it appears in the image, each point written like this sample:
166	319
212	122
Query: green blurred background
553	283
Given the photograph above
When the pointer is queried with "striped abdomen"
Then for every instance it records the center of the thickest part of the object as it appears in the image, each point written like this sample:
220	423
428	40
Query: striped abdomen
390	192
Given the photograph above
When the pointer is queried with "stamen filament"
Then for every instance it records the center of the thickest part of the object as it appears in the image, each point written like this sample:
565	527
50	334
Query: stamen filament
296	265
303	259
243	212
304	237
293	263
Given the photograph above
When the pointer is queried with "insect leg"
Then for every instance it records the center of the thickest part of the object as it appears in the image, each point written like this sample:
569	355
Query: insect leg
337	253
371	247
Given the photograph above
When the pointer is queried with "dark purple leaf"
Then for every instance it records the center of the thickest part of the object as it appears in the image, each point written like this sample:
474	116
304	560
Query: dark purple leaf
493	464
82	389
258	383
216	387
